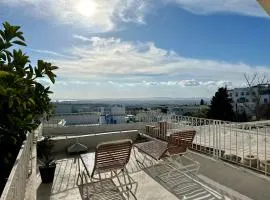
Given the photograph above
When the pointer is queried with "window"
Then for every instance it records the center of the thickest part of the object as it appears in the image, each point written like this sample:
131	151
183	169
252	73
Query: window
253	93
247	93
236	94
265	101
241	100
242	94
230	94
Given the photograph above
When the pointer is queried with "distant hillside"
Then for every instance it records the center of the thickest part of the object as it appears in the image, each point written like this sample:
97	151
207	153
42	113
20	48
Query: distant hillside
128	101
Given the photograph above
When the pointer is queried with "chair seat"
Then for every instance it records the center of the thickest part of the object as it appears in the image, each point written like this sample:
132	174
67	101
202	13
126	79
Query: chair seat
87	161
154	148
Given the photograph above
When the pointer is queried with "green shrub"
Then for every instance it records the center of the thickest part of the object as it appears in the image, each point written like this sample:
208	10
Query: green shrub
24	101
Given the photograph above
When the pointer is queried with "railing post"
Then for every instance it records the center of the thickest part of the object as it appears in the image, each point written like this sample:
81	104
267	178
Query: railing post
219	139
214	137
266	167
258	164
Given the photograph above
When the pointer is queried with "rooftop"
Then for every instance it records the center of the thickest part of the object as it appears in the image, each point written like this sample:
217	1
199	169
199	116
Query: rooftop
231	181
233	162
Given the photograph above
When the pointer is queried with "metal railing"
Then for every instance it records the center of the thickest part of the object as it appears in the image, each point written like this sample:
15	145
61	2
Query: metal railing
16	184
246	144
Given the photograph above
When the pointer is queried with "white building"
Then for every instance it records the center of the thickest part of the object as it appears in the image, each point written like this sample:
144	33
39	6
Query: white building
245	99
149	116
112	115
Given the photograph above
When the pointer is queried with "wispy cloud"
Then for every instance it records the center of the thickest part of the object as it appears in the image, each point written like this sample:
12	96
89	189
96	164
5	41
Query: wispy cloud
126	63
107	15
52	53
181	83
98	15
80	37
242	7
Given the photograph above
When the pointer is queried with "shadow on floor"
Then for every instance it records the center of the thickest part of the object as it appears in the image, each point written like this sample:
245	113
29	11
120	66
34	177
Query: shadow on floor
44	191
186	184
102	190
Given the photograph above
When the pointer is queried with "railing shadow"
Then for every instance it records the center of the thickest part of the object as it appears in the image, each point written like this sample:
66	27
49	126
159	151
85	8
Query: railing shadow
183	184
101	190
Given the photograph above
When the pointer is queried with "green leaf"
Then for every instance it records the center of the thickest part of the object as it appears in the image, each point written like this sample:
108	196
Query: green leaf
10	102
52	78
37	72
32	101
2	56
19	43
20	35
40	65
54	67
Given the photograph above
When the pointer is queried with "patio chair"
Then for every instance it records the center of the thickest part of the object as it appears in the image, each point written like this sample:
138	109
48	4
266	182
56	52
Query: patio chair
177	143
110	157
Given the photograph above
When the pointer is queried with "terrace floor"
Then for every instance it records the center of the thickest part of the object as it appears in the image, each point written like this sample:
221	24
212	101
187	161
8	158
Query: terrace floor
233	183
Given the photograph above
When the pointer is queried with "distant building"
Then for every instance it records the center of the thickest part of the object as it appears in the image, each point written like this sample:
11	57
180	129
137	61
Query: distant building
73	107
245	99
188	109
149	116
112	115
61	108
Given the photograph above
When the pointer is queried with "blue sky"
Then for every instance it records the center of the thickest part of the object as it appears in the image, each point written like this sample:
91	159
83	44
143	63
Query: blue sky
144	48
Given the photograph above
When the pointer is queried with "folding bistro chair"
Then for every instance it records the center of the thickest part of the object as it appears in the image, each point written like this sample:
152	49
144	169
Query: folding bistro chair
110	157
176	144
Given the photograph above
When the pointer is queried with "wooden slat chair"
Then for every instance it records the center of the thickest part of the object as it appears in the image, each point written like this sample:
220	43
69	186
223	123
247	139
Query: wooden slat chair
184	137
110	157
177	143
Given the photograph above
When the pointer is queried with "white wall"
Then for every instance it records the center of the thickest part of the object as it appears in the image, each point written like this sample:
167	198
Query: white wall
91	141
78	118
85	130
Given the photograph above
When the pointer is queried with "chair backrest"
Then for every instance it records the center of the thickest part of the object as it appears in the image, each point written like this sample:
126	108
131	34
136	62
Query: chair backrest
179	142
163	125
112	155
186	136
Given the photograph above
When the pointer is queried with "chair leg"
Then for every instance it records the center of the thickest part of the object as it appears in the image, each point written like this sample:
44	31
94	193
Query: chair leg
145	157
80	174
93	172
135	155
130	179
126	187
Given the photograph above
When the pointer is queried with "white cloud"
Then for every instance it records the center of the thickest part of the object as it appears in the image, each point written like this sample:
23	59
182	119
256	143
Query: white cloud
243	7
52	53
123	64
82	38
181	83
107	15
99	15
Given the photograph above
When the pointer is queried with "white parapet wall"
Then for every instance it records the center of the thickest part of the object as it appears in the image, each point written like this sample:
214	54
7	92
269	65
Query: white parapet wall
93	129
92	140
21	183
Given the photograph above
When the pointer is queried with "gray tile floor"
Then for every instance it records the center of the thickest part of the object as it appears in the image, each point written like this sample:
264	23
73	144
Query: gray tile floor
65	185
150	186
